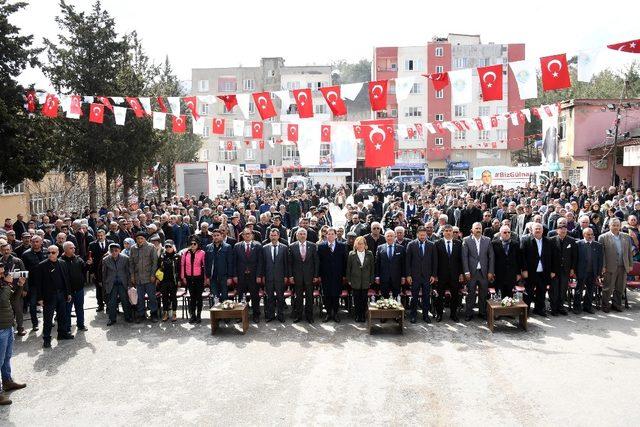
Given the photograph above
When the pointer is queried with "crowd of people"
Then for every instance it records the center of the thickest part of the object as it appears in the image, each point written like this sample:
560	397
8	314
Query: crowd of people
571	245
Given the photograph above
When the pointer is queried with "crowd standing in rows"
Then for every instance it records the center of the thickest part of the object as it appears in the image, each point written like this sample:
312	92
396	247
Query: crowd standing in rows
422	244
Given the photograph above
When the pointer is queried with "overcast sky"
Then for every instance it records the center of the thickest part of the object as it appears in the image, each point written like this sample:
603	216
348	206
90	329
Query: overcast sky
199	34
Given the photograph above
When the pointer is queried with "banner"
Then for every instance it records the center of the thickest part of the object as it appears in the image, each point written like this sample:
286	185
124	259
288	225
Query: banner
344	146
507	176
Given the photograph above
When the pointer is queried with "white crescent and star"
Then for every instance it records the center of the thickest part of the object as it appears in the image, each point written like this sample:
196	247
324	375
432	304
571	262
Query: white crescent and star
554	61
263	104
377	131
292	129
300	95
335	94
96	111
373	90
218	122
489	73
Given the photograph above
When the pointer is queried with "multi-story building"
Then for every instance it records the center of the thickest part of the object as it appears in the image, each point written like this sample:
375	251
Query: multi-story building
272	75
449	153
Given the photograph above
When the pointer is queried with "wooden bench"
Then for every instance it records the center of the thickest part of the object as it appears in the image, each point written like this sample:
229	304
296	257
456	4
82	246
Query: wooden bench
240	311
495	308
375	313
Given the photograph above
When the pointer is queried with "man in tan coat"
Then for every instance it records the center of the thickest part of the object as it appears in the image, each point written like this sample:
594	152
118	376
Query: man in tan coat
617	263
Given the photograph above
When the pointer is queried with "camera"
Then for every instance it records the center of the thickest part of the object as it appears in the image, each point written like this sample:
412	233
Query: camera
19	274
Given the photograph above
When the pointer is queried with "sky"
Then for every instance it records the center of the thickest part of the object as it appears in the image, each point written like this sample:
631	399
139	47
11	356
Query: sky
201	34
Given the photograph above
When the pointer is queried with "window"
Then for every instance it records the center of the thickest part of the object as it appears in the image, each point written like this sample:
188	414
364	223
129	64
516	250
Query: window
483	135
206	131
314	85
413	112
439	51
417	88
249	154
227	84
394	112
293	85
439	141
321	108
501	109
562	128
248	84
252	107
461	135
6	189
205	154
228	131
460	110
460	63
290	152
204	109
440	117
394	66
408	64
203	85
484	111
227	155
439	69
325	149
440	94
501	134
413	64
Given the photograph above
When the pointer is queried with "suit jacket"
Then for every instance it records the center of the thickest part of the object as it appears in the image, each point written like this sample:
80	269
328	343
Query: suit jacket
611	253
97	253
303	272
275	270
530	255
565	254
360	275
251	264
113	269
449	268
333	267
597	258
421	267
471	257
220	261
44	281
390	269
507	265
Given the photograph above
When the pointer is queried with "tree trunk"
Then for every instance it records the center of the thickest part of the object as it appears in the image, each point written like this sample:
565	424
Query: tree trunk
93	192
126	185
169	179
140	187
107	188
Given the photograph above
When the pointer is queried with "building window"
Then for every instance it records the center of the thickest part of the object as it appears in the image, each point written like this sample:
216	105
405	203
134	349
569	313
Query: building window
439	69
228	131
501	134
484	111
440	94
417	88
325	150
460	63
290	152
227	84
293	85
206	131
413	112
413	64
249	154
408	64
252	107
394	66
394	112
461	135
439	51
562	128
204	109
440	117
439	141
227	155
205	154
203	85
382	114
484	135
320	109
248	84
460	110
7	189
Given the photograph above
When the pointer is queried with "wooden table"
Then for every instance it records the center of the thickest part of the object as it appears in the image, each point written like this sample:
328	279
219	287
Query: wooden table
495	308
240	311
387	313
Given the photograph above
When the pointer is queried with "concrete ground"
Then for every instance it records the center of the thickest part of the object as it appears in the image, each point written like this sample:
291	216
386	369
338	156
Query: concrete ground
575	370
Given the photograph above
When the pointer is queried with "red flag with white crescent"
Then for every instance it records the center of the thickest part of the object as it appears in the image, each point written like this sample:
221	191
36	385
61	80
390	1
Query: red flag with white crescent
494	122
162	105
555	72
135	106
229	145
439	80
106	102
331	95
96	113
632	46
179	124
230	101
357	131
491	82
76	104
325	133
378	95
292	133
256	130
379	145
419	129
304	102
264	105
191	103
261	144
50	106
438	125
218	126
31	101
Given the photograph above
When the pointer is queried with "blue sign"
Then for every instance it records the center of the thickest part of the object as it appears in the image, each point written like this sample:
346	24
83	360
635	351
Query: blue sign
459	165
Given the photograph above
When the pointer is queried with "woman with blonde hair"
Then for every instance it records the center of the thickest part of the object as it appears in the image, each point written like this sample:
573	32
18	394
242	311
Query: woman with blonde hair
322	235
360	275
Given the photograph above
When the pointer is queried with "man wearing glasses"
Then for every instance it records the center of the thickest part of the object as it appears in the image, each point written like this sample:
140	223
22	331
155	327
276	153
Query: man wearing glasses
375	238
77	272
565	255
508	261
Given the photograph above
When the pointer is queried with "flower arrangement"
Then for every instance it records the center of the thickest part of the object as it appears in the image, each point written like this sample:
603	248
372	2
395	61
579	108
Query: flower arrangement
228	304
387	304
508	301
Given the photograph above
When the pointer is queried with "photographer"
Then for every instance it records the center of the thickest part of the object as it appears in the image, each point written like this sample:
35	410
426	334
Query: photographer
6	332
14	264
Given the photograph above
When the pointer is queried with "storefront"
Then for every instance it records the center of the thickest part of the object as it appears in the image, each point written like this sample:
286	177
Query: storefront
458	168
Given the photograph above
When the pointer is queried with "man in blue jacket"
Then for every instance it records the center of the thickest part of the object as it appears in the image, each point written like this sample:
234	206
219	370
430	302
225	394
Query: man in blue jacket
219	266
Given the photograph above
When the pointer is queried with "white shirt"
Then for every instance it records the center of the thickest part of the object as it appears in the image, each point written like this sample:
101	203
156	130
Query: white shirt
477	250
448	245
539	243
274	251
361	256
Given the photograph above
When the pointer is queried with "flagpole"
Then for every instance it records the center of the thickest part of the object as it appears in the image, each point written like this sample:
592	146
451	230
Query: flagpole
615	135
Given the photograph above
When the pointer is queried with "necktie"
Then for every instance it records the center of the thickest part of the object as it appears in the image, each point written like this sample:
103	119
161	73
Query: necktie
390	252
506	247
449	247
422	249
102	245
331	248
247	250
303	251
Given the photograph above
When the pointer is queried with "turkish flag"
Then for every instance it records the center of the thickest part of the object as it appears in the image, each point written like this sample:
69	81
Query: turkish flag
163	106
179	124
491	82
96	113
379	146
478	123
106	102
410	133
264	105
331	95
230	101
458	125
50	106
419	129
357	131
261	144
218	126
256	130
135	106
325	133
31	101
555	72
438	125
292	133
439	80
76	105
303	102
494	121
378	94
632	46
229	145
191	103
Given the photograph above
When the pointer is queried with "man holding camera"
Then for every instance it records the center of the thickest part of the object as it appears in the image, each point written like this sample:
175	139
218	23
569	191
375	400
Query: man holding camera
14	264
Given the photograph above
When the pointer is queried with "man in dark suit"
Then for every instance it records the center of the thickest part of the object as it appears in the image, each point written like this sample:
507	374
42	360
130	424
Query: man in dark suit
218	266
400	236
421	266
589	266
332	256
375	238
508	262
479	265
247	261
565	256
275	271
312	235
54	291
97	250
537	267
449	272
304	271
390	265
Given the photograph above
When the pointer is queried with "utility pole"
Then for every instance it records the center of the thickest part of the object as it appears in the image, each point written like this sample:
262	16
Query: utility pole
615	135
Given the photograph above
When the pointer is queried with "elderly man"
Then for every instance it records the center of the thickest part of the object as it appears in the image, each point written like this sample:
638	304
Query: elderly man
538	267
390	265
618	261
11	264
97	250
400	236
116	274
508	261
142	264
565	255
479	266
304	269
375	238
590	261
77	273
31	258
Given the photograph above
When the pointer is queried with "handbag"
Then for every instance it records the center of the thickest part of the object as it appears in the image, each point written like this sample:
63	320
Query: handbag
159	275
133	295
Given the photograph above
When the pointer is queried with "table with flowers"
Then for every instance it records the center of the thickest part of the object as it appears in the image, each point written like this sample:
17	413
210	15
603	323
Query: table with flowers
506	307
385	309
229	310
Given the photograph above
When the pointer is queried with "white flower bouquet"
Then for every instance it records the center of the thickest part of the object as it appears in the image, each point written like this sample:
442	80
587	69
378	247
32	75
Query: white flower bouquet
387	304
227	304
508	302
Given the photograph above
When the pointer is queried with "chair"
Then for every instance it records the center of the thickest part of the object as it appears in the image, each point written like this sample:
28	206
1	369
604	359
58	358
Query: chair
180	294
633	284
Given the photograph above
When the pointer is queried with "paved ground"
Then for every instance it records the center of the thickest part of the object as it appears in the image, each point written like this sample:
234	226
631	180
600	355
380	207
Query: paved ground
570	370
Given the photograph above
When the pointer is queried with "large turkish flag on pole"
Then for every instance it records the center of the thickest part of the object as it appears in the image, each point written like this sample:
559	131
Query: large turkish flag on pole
379	143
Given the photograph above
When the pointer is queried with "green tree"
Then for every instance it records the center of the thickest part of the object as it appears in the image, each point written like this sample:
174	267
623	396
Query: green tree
28	146
346	72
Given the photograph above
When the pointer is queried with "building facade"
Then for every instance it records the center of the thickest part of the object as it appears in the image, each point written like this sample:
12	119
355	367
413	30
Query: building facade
447	154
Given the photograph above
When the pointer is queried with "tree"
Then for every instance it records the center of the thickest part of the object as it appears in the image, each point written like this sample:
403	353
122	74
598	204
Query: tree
28	147
345	72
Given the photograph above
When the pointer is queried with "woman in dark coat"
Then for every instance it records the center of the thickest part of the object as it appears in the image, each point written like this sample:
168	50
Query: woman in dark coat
360	275
169	264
